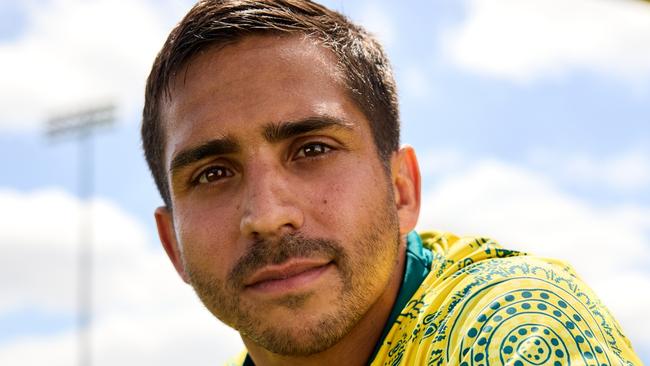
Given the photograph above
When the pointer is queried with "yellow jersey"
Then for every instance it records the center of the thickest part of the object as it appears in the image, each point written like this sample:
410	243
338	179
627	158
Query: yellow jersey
481	304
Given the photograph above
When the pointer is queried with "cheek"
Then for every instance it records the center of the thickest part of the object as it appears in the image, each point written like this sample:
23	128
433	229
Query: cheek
344	203
207	241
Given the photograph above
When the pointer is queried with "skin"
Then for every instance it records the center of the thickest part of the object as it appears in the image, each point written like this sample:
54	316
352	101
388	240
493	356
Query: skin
284	220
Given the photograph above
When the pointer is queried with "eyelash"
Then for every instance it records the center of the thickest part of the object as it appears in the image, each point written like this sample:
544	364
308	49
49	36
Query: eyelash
203	175
324	149
319	149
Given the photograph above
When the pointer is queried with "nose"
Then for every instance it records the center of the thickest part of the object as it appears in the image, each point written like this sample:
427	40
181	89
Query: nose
270	207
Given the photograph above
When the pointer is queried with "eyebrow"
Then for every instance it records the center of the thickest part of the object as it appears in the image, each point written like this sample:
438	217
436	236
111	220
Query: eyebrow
272	132
214	147
275	132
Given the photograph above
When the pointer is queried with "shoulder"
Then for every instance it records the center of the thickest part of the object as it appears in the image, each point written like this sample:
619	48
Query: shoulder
485	304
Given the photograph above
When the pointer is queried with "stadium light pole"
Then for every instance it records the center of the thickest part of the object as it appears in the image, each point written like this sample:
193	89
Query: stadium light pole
82	124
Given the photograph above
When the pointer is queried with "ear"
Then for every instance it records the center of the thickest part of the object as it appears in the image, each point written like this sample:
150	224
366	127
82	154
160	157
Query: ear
406	187
167	235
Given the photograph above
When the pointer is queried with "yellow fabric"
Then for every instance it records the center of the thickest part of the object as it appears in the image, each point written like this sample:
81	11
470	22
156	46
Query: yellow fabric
237	360
484	305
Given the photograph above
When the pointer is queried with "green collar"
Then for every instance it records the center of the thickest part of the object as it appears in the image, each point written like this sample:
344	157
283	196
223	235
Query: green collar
418	265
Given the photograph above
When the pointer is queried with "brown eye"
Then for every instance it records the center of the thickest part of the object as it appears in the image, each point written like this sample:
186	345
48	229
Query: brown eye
313	150
213	174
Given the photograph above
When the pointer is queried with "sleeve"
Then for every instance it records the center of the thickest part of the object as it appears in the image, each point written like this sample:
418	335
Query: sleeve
526	312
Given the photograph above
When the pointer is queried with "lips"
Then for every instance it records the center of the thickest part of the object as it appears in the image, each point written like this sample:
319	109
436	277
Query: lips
290	274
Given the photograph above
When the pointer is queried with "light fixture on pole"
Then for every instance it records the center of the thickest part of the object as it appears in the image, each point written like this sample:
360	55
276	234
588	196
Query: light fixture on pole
82	124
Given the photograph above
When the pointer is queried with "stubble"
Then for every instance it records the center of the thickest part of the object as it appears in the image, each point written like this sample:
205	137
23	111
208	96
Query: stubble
357	272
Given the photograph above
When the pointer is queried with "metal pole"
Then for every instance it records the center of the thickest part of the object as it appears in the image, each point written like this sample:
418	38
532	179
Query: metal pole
82	124
85	264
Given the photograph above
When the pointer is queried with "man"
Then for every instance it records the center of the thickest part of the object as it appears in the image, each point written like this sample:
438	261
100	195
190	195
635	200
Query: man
271	129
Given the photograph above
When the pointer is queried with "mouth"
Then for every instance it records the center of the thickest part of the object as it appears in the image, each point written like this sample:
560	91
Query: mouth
293	275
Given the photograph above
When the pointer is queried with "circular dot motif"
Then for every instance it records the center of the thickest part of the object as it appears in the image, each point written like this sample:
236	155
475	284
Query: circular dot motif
533	346
534	350
530	327
528	350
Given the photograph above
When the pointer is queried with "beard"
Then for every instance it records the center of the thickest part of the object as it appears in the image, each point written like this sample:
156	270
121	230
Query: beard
364	267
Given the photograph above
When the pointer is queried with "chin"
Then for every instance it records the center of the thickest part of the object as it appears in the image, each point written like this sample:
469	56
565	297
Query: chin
302	336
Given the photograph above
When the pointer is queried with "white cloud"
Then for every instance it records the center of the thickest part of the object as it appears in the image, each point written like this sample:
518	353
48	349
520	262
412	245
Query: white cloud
148	338
609	247
76	52
143	313
627	171
527	40
376	20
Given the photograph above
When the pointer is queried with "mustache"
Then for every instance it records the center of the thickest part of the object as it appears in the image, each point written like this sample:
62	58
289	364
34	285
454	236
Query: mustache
267	252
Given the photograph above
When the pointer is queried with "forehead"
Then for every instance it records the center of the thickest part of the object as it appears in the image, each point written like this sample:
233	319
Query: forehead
255	81
251	63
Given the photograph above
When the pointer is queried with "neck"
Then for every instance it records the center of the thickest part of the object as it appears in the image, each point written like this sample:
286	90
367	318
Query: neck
356	347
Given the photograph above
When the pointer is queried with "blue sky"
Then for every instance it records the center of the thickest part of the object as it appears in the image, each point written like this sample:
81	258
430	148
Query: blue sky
531	119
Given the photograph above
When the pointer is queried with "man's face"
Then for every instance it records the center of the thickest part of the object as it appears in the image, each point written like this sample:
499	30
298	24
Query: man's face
284	219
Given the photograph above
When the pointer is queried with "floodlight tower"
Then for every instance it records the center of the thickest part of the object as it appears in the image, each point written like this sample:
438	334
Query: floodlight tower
82	124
